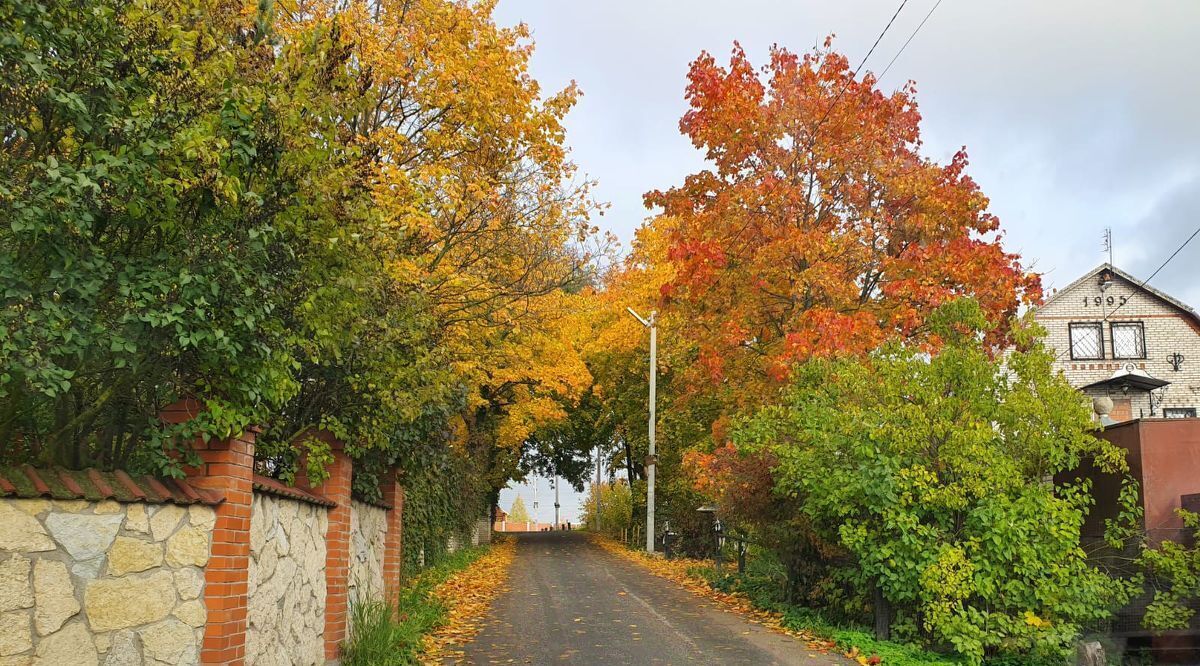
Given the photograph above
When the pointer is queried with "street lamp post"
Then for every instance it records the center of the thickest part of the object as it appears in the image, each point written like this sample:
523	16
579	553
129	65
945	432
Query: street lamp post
651	460
597	493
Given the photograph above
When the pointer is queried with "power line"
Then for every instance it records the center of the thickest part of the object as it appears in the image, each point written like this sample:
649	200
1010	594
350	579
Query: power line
910	38
854	75
1161	266
1143	284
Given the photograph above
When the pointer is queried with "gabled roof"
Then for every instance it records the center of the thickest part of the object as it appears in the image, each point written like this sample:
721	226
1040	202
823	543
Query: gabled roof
1179	305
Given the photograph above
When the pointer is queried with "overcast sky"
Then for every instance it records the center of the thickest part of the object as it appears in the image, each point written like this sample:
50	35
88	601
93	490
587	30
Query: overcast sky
1076	115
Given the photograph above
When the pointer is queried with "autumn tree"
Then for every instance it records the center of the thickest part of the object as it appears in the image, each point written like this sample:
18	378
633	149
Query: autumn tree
478	214
818	228
356	217
616	500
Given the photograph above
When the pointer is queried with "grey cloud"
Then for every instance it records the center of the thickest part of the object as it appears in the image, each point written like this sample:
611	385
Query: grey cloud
1173	219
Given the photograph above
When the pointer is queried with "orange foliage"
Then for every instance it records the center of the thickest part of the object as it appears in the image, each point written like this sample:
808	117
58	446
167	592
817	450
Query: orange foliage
819	228
740	483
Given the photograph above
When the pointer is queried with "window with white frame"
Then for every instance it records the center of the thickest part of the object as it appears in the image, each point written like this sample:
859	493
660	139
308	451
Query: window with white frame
1128	339
1087	341
1180	412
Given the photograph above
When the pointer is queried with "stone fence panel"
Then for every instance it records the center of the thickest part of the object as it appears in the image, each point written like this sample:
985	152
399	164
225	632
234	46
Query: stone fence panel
90	582
286	615
368	535
223	566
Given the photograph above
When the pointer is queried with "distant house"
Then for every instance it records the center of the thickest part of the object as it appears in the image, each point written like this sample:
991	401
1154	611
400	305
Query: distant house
501	523
1132	344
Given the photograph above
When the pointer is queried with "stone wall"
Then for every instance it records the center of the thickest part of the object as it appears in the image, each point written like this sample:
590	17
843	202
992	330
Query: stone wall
368	532
287	593
87	583
223	566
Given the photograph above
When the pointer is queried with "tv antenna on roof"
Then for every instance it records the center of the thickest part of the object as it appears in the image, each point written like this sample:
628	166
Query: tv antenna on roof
1108	245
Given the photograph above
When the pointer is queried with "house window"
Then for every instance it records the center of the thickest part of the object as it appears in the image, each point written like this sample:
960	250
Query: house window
1128	339
1087	341
1180	412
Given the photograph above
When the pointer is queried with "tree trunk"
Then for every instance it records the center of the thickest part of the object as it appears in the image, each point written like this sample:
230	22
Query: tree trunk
883	613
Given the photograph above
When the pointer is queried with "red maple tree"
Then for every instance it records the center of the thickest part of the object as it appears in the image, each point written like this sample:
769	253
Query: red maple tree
819	228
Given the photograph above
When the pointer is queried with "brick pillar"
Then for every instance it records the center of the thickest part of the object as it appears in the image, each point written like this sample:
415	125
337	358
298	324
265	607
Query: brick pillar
337	542
226	467
393	545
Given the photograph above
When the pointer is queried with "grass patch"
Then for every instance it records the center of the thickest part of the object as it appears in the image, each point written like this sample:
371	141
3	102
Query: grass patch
384	634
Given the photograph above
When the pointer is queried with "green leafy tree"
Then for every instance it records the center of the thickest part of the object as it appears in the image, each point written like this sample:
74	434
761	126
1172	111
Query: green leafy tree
931	475
517	513
616	503
149	200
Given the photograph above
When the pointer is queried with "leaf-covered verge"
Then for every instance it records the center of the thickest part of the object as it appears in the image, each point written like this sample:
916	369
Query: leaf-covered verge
467	596
764	585
699	576
437	609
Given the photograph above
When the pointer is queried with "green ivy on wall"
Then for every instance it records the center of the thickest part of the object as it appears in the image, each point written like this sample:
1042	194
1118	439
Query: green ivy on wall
443	497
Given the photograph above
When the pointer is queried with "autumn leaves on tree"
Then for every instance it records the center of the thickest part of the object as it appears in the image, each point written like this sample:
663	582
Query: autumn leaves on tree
361	217
819	228
351	216
817	265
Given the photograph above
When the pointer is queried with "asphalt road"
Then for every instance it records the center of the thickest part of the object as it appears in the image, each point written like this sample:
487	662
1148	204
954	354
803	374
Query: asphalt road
570	602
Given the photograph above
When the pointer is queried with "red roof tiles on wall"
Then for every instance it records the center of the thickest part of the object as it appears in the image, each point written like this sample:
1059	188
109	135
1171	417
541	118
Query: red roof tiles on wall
265	484
30	482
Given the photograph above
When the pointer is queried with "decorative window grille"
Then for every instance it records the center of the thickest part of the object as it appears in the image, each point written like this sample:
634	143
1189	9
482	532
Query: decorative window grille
1129	339
1180	412
1087	341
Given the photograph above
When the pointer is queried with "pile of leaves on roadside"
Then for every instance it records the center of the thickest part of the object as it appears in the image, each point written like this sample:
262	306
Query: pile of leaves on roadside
437	609
467	596
695	576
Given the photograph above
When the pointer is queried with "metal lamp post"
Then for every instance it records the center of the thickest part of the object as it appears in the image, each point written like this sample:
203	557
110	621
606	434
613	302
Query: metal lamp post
651	460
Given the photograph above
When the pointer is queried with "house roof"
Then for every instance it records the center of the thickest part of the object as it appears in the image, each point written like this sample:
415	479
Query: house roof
1179	305
28	482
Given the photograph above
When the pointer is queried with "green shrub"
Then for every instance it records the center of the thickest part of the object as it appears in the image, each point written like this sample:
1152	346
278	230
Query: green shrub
930	473
1174	574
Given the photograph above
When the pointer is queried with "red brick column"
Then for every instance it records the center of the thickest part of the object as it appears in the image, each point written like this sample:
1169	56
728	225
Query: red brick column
393	544
226	467
337	544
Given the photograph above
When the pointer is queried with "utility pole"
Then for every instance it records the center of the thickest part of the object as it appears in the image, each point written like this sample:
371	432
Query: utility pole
651	460
596	490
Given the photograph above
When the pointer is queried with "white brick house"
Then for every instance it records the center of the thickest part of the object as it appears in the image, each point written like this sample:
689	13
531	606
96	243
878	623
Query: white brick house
1135	345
